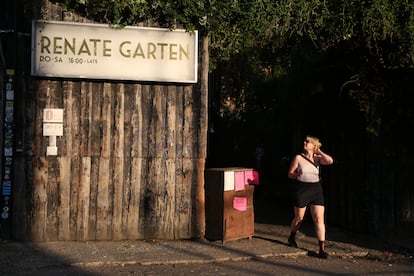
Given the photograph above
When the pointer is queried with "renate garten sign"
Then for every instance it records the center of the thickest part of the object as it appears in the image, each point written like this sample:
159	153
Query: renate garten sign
95	51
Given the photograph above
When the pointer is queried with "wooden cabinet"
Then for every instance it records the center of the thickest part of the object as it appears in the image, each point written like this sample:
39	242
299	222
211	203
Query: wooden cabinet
227	218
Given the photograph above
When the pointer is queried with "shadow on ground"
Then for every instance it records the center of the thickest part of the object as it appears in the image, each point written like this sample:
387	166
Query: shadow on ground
277	210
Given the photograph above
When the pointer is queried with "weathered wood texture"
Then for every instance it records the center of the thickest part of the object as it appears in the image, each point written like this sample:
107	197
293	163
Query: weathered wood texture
128	165
127	162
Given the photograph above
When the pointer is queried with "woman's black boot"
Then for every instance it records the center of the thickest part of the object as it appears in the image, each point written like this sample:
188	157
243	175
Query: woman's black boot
292	239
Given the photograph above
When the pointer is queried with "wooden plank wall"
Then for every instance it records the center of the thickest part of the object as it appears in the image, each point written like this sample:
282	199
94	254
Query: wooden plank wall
126	162
126	165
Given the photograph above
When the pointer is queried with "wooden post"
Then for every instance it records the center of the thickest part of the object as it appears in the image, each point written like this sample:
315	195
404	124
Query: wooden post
203	128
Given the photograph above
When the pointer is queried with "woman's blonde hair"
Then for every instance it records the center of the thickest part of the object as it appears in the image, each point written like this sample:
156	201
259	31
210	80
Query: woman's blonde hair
314	141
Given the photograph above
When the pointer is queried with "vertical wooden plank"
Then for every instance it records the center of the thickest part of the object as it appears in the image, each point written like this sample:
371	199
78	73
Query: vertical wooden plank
199	199
146	193
64	198
92	95
67	87
153	198
103	206
118	165
188	127
170	148
75	184
203	102
52	221
179	124
156	196
39	200
168	200
146	107
135	169
182	205
134	229
54	100
38	119
106	121
72	119
140	163
54	95
83	199
104	196
80	110
157	124
169	196
118	207
187	152
202	138
39	142
188	223
129	110
138	129
88	112
93	200
171	120
69	146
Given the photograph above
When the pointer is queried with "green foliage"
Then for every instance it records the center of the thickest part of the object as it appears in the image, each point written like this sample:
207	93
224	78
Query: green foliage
385	28
388	29
232	25
114	12
370	93
380	33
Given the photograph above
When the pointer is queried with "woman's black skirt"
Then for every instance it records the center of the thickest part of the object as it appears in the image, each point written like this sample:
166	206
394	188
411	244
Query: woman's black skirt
305	194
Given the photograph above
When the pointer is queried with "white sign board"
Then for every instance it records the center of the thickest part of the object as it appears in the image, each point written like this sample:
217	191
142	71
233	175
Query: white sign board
52	151
51	129
97	51
53	115
229	181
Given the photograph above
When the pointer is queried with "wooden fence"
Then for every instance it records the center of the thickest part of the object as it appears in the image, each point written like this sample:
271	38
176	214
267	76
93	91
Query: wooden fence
130	163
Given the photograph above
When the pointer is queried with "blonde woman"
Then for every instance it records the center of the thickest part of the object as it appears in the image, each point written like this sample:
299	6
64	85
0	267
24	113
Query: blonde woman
307	190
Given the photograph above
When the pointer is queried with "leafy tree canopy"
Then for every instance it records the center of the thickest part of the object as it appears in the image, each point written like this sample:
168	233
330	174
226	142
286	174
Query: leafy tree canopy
384	27
379	34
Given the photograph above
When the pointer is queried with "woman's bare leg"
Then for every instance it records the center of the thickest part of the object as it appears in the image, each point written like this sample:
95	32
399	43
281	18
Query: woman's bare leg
295	224
297	220
318	217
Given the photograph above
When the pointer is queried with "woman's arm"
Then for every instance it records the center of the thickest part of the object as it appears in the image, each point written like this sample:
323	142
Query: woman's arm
293	170
323	158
